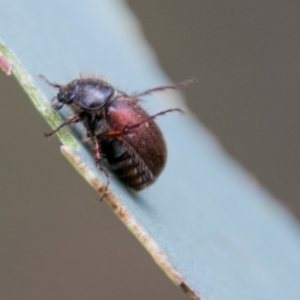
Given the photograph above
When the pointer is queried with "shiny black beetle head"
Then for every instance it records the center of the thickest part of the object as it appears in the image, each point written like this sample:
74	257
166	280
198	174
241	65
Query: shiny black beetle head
86	93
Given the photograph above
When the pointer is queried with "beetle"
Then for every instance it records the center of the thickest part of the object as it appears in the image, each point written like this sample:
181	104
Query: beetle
122	132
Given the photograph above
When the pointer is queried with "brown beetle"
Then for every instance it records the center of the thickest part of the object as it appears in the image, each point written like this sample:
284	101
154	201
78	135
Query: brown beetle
121	131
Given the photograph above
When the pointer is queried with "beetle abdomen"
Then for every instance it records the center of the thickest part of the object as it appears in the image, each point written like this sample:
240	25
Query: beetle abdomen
127	164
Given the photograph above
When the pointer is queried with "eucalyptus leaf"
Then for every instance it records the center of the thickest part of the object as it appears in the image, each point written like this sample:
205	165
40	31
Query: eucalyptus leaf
211	228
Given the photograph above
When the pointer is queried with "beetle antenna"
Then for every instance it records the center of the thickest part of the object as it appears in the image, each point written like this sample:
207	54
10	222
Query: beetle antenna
55	85
163	88
56	105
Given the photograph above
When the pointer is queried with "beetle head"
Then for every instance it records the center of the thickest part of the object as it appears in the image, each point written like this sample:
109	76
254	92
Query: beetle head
67	93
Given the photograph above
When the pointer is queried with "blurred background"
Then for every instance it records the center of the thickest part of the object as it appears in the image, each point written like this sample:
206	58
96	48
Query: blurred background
57	243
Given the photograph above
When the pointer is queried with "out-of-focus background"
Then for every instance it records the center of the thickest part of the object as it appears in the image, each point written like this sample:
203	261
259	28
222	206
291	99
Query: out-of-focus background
58	242
246	55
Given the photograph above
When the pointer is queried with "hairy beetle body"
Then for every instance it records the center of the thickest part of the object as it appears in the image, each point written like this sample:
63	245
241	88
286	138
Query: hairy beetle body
120	129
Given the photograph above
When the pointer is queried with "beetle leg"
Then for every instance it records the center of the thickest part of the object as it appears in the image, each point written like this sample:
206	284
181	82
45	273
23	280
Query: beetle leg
127	129
163	88
73	120
97	156
112	133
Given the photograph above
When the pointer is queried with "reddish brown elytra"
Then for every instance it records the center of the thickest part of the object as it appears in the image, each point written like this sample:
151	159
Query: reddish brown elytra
121	130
